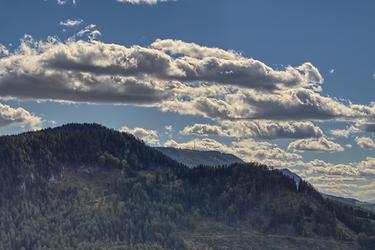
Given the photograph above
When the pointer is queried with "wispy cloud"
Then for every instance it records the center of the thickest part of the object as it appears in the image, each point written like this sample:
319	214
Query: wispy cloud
63	2
150	2
71	22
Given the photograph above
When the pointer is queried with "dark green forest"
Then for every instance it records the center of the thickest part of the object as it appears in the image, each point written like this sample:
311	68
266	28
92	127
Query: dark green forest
83	186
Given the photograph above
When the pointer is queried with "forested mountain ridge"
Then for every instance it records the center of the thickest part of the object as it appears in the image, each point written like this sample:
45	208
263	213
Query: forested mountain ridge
83	186
193	158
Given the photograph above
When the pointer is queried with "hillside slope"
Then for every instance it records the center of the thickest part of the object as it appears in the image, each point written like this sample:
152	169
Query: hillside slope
82	186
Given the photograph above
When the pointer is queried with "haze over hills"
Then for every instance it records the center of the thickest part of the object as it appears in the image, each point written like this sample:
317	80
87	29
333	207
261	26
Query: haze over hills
83	186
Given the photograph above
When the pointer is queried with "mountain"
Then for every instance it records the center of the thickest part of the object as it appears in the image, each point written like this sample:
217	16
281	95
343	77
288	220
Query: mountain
193	158
83	186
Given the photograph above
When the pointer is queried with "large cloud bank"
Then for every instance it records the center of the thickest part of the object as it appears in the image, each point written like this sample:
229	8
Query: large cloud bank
175	76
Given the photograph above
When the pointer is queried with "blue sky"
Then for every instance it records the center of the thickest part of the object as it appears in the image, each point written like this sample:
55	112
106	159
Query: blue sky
335	37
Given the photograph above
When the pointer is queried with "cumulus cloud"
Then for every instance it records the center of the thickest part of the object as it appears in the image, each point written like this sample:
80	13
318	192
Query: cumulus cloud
205	144
267	129
149	136
175	76
295	105
217	65
320	144
345	132
366	126
223	103
176	47
349	180
204	130
71	22
99	72
358	127
251	150
365	142
259	129
10	116
3	50
59	73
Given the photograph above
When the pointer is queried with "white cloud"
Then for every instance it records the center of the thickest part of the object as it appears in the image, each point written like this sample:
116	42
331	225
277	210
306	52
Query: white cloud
358	126
268	129
63	2
149	136
320	144
20	116
169	128
150	2
345	132
71	22
366	125
259	129
205	144
251	150
90	31
3	50
176	47
204	130
71	69
365	142
219	84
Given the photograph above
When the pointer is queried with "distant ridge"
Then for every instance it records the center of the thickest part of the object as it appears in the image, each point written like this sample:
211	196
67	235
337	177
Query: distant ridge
193	158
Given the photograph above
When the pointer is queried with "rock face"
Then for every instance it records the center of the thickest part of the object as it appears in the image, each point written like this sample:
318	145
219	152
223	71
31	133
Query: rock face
193	158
